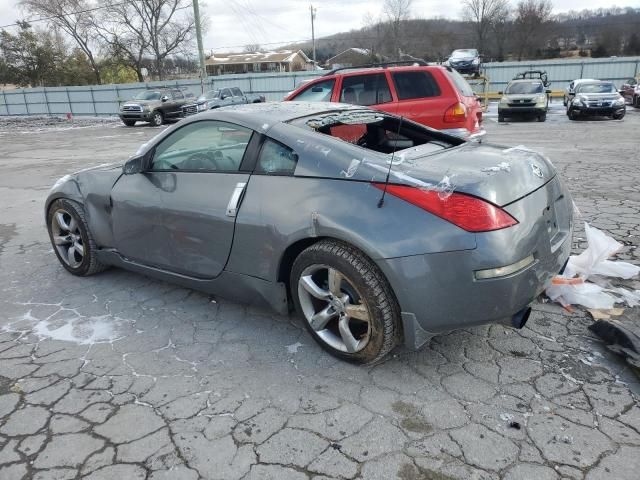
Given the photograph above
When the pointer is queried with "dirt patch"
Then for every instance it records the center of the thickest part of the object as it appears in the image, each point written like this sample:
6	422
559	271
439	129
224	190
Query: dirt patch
7	232
411	472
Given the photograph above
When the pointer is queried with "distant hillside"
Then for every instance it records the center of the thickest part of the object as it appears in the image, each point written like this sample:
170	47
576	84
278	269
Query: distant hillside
603	32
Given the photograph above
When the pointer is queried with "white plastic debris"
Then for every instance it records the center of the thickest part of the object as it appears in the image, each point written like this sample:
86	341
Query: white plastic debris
502	166
572	287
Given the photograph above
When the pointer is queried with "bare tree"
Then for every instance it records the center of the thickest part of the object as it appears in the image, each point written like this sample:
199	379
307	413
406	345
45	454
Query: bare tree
484	14
396	11
252	48
133	28
530	25
72	17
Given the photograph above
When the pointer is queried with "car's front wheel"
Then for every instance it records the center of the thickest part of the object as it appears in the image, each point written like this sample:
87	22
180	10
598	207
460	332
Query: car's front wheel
618	115
542	117
156	118
573	115
71	238
129	123
347	304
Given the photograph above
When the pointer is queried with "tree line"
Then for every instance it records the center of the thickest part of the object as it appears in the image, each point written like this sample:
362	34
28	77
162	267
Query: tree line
499	29
94	42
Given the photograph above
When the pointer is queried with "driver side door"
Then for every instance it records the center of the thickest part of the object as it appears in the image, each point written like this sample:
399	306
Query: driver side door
179	215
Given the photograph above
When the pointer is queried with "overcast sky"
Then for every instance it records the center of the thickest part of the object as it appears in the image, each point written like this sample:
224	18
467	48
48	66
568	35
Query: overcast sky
233	23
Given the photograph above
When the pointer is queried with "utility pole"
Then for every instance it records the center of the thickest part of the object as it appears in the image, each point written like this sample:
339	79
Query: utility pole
313	32
203	67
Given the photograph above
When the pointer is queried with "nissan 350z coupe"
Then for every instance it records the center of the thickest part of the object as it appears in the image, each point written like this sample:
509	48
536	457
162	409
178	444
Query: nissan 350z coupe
377	230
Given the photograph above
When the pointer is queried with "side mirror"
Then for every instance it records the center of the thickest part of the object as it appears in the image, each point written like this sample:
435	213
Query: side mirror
547	91
165	98
500	92
621	91
137	164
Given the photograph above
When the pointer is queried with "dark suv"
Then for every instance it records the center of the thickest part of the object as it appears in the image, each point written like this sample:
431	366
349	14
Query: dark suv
155	106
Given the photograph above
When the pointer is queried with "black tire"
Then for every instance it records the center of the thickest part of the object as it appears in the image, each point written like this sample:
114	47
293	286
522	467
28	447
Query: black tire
157	118
129	123
636	101
374	291
619	115
90	263
573	115
542	117
500	118
564	101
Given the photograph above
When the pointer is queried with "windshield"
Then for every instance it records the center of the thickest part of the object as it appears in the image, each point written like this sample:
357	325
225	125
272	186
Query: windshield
211	94
597	88
147	96
464	53
524	88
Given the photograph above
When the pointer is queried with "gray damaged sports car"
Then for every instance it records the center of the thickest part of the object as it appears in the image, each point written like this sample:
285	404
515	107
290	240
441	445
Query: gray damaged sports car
378	230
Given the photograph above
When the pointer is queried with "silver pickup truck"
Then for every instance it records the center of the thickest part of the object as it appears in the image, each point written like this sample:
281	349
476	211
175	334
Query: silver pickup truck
220	98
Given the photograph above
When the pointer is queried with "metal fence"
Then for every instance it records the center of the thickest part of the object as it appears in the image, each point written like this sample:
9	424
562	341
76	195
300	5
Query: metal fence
106	99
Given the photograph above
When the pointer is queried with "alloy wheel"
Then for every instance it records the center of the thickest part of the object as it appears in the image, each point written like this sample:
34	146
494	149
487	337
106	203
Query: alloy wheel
334	308
67	238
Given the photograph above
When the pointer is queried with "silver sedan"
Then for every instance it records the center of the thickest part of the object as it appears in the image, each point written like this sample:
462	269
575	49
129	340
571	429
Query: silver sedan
377	230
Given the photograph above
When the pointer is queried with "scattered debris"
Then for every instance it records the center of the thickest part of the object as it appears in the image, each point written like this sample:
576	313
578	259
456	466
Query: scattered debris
621	336
600	314
293	348
503	166
515	425
353	168
568	439
572	287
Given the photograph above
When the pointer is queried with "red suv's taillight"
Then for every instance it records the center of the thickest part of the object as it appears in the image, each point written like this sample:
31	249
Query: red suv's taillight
469	213
455	113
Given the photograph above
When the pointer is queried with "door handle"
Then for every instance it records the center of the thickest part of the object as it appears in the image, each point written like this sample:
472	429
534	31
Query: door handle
232	207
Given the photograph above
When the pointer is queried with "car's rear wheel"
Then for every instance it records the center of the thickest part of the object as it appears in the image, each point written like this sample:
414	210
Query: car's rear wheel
346	302
500	118
157	118
129	123
71	238
636	101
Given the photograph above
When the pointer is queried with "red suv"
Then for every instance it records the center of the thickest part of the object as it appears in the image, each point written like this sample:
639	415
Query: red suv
435	96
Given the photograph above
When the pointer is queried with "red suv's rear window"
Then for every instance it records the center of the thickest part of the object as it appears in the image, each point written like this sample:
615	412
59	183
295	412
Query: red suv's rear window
415	84
461	84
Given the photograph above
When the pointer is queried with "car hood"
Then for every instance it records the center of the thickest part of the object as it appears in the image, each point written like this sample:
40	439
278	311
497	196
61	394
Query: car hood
495	173
461	59
141	102
603	96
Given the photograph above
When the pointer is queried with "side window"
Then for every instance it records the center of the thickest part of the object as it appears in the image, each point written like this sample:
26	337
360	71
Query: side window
632	81
318	92
369	89
411	85
236	91
206	145
460	83
226	93
276	158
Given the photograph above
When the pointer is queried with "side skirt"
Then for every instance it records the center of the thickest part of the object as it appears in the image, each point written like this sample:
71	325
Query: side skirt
229	285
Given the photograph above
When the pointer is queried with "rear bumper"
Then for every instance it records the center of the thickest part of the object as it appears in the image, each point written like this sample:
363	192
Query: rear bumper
440	292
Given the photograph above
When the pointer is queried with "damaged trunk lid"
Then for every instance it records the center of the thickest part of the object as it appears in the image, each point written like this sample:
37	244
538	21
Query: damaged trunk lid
501	175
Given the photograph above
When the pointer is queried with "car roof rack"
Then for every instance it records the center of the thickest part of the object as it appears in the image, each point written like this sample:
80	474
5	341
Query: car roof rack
409	63
533	75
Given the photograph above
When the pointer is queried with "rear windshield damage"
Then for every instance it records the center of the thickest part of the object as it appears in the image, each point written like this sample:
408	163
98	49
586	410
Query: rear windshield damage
376	131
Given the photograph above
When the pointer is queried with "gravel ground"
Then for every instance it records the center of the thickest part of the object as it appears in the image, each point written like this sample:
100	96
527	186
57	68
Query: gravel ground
120	376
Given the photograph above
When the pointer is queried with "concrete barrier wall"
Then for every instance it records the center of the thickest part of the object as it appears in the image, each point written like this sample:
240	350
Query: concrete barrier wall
106	99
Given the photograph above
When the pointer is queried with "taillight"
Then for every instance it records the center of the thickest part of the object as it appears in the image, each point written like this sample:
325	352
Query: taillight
469	213
455	113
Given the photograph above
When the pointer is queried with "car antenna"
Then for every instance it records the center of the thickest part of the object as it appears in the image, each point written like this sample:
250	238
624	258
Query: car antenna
393	154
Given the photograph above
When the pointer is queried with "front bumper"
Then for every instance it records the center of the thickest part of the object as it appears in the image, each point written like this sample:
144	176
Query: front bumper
470	68
439	292
514	111
140	116
599	111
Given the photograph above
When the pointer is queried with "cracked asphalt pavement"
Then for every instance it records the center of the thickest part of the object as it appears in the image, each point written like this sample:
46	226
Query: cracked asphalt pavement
118	376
